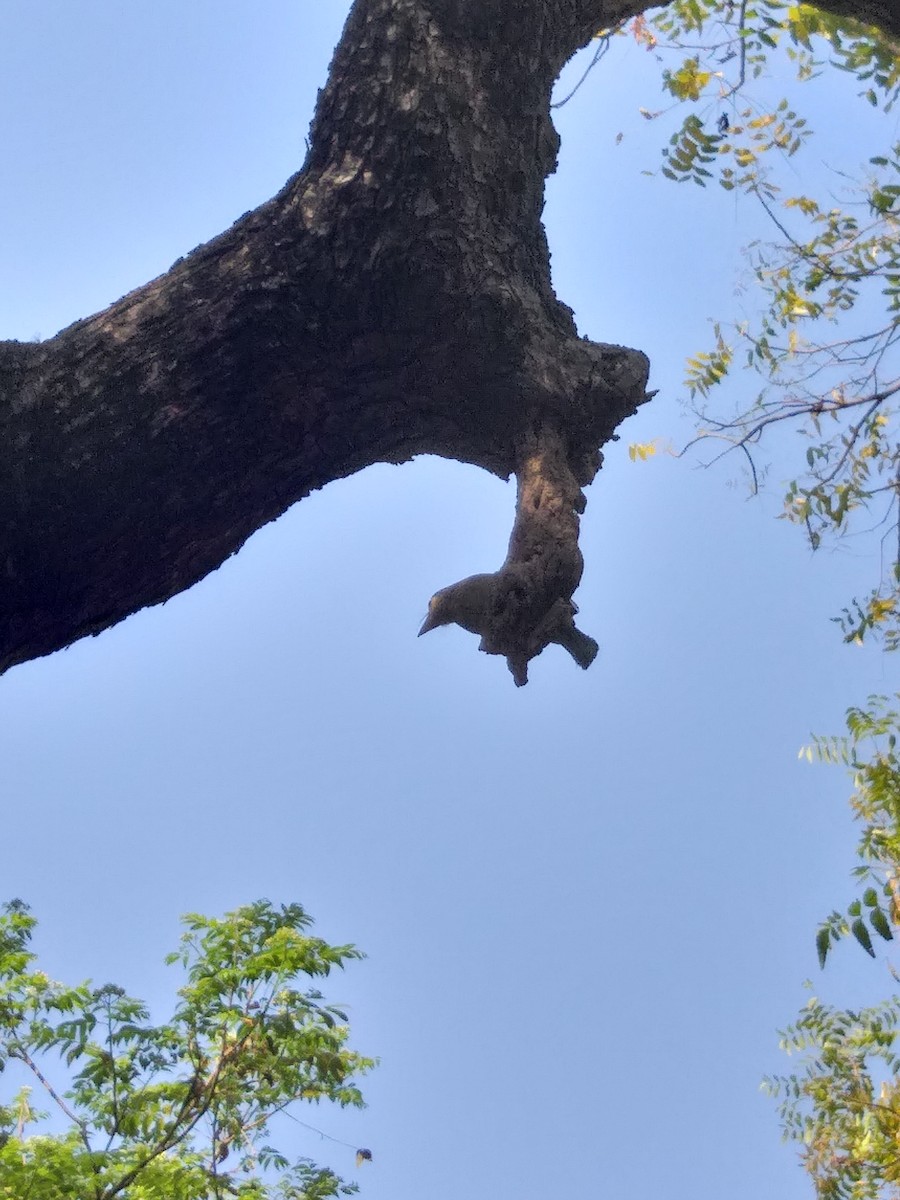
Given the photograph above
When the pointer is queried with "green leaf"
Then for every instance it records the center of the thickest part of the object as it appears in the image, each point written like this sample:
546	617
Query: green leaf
823	944
859	931
880	924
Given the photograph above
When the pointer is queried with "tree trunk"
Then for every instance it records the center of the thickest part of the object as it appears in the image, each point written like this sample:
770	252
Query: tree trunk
393	299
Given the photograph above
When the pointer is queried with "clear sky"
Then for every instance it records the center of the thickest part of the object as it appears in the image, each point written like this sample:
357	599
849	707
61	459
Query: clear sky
588	904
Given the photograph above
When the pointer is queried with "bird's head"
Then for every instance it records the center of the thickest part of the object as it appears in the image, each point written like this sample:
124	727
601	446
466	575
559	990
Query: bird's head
438	613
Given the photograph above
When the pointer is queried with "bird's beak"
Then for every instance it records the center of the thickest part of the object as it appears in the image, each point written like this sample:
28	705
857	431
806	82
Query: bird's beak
428	624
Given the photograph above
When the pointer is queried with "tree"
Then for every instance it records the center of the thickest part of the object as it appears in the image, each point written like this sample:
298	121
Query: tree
843	1107
393	299
181	1110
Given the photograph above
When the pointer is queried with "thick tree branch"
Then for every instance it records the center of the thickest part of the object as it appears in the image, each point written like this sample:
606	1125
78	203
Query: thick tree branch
393	299
885	14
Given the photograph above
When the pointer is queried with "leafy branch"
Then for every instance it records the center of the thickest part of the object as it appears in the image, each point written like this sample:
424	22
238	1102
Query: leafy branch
843	1103
178	1107
829	263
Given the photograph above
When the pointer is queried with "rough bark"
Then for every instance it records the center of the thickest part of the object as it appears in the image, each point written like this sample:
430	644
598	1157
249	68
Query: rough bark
885	14
393	299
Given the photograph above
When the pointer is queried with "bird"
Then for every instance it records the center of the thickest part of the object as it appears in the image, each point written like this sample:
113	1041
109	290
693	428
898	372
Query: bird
469	603
474	604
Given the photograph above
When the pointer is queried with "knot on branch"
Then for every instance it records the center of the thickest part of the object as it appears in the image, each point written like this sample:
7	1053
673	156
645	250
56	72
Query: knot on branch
527	604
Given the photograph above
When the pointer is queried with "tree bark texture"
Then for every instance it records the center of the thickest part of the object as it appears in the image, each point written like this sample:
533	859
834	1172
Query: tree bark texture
393	299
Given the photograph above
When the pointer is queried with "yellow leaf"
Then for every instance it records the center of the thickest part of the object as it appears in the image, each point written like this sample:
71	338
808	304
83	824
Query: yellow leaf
881	609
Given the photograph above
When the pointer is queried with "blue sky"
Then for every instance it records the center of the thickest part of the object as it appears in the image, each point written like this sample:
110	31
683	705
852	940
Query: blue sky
587	904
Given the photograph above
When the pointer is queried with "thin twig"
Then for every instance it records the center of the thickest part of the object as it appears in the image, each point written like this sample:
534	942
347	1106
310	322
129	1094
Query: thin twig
598	54
22	1054
742	64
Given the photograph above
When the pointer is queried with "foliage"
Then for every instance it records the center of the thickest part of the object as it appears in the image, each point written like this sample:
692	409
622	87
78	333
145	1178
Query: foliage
178	1111
843	1106
829	264
870	753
